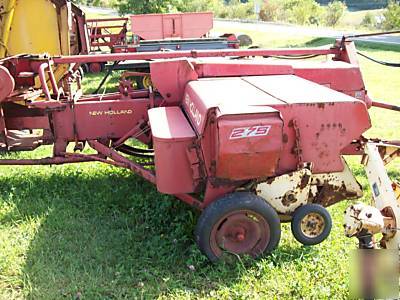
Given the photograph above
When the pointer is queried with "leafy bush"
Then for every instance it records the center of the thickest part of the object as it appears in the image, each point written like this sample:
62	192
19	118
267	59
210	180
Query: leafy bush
294	11
272	11
392	16
334	12
303	11
199	5
235	9
368	20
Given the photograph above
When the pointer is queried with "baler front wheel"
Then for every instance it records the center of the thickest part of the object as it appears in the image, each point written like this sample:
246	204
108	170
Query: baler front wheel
311	224
239	223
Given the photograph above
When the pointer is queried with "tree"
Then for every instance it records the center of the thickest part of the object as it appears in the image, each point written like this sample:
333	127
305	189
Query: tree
392	16
334	12
144	6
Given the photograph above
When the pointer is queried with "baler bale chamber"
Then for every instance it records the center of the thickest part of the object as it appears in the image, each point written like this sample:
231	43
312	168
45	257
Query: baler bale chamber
249	140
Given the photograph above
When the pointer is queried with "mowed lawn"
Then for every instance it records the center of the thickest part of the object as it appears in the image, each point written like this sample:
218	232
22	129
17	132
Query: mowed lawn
92	231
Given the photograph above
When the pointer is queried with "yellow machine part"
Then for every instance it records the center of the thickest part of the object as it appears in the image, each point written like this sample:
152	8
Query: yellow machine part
34	27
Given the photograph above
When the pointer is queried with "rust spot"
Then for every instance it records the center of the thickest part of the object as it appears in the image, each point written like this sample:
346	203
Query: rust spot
285	138
270	180
289	199
304	181
331	194
321	105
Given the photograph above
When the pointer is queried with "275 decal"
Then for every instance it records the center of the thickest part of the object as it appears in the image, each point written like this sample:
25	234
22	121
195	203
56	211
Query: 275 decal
247	132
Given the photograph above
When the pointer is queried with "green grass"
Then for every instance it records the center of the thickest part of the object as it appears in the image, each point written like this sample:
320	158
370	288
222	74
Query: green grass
92	231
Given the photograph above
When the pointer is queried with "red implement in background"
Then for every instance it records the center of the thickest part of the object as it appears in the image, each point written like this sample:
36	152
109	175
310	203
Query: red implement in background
107	32
165	26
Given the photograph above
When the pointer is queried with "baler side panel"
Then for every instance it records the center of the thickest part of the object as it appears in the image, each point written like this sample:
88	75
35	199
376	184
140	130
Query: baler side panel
346	80
173	138
327	121
249	145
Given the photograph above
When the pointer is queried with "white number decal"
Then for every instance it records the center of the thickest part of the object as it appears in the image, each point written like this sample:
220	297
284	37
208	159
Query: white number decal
247	132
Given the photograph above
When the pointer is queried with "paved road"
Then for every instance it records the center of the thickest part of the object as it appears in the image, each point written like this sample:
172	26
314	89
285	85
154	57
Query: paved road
303	31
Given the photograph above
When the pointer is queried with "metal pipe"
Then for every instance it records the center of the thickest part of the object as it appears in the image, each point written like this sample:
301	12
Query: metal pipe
42	78
126	136
372	34
190	200
46	161
114	155
385	105
106	20
81	59
144	94
53	81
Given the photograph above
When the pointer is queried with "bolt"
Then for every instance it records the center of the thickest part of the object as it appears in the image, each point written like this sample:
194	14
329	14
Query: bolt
240	237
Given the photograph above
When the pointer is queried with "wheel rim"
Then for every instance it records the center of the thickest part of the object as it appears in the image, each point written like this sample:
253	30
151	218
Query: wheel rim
240	232
312	225
95	68
146	81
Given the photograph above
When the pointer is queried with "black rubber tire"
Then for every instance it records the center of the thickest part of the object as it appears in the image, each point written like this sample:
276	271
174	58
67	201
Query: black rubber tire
230	203
300	213
244	40
139	82
85	68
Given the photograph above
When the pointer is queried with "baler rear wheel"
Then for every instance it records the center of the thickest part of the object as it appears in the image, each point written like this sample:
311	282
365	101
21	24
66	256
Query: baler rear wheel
311	224
239	223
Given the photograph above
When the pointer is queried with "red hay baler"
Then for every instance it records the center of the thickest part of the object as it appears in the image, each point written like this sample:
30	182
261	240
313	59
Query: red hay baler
249	140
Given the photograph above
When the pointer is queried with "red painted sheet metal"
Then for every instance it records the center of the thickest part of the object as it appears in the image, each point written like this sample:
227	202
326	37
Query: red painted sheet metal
328	121
293	89
173	137
337	75
91	120
164	26
249	142
171	77
169	124
224	68
205	94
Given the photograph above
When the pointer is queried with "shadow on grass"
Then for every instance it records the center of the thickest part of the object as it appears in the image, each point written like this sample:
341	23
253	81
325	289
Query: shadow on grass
108	234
